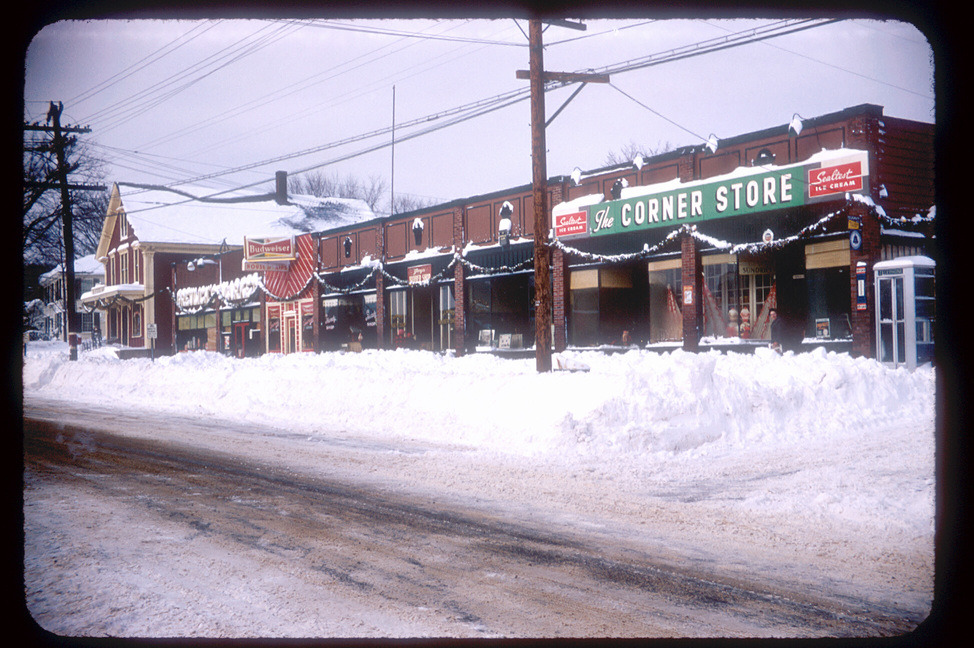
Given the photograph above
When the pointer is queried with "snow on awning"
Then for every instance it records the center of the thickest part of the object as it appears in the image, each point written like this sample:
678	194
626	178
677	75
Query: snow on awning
102	292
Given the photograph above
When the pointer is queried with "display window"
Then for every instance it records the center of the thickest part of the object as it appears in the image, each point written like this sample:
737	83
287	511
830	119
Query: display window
665	316
721	311
827	280
501	308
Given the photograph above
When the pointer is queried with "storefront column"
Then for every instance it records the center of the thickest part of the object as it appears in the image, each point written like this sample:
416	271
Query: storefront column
380	290
559	269
316	311
459	308
869	253
459	287
692	298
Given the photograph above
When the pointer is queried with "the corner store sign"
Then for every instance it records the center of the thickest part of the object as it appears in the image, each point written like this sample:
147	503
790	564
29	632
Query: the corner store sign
738	195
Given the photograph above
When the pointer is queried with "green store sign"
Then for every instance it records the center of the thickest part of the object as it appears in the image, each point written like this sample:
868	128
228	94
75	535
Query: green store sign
733	196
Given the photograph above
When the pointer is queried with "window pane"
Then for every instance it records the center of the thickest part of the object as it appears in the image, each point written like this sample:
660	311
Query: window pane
885	299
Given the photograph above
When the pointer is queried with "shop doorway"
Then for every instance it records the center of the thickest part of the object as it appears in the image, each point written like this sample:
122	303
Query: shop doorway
290	332
412	318
240	331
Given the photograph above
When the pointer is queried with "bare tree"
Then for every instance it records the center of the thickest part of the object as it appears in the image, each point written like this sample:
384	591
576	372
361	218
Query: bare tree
408	202
316	183
628	152
41	233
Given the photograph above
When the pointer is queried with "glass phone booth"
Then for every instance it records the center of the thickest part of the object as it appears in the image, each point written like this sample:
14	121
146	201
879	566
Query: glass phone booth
905	311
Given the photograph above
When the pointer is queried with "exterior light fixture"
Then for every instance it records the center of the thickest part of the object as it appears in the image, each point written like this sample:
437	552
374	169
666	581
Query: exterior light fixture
764	157
712	143
504	225
796	124
347	245
418	231
617	186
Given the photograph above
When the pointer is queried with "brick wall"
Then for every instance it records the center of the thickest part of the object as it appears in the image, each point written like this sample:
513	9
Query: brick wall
863	321
559	276
692	276
459	287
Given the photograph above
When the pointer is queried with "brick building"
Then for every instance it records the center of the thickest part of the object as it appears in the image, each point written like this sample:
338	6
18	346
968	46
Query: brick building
175	273
693	246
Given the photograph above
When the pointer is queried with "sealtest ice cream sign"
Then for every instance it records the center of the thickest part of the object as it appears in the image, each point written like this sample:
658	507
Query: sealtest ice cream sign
736	195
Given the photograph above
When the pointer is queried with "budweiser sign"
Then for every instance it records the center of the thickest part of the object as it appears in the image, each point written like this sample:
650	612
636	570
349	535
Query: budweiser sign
269	249
835	179
568	224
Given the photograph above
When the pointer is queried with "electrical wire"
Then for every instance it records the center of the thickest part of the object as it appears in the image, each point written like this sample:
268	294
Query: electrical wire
281	93
144	62
126	109
396	32
476	109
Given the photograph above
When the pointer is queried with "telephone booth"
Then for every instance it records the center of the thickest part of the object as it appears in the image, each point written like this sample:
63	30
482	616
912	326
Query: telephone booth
905	311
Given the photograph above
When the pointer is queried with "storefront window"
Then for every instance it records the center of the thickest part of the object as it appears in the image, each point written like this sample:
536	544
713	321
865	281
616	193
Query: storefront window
665	317
829	304
447	315
399	318
307	313
191	331
721	298
348	319
274	327
501	306
754	290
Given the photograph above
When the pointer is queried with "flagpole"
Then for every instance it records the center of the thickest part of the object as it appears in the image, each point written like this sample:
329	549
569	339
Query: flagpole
392	182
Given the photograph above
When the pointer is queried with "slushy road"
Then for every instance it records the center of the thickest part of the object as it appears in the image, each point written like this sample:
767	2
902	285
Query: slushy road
130	535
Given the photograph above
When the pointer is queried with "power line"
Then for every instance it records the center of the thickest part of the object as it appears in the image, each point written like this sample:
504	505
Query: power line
143	62
125	110
279	94
396	32
840	68
476	109
335	99
602	33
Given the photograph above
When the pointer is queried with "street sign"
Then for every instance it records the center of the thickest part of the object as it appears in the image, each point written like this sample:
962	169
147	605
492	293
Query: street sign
152	331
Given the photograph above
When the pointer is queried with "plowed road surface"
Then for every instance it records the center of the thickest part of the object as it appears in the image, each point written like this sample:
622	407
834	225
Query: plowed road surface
126	535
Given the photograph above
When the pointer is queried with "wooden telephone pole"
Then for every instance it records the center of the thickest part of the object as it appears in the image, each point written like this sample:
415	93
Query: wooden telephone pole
542	253
59	142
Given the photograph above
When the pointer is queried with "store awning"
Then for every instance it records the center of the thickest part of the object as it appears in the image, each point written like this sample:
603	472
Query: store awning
101	294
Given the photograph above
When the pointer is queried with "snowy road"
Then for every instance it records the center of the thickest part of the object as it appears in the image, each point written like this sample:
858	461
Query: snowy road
283	534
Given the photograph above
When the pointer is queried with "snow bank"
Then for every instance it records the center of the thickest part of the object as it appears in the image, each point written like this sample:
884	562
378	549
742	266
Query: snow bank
630	404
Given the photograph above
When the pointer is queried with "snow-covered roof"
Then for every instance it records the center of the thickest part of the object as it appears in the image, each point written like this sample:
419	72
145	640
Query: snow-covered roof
86	265
162	216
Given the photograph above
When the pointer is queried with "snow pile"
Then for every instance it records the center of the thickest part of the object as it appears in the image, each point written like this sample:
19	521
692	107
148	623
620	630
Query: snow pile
630	404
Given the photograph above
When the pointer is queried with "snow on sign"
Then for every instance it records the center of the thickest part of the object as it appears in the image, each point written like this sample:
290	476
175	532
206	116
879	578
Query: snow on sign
568	224
748	190
419	274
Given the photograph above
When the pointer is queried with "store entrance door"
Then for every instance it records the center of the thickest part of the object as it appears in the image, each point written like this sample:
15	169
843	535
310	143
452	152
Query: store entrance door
240	330
422	317
290	332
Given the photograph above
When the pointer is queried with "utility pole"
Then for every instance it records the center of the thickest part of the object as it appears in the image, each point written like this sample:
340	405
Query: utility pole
59	143
539	178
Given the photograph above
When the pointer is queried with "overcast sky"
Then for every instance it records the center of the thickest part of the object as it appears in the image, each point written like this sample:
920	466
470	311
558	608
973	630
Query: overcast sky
169	100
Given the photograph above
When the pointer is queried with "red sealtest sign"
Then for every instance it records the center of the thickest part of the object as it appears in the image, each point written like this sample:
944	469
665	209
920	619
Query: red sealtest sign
835	179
